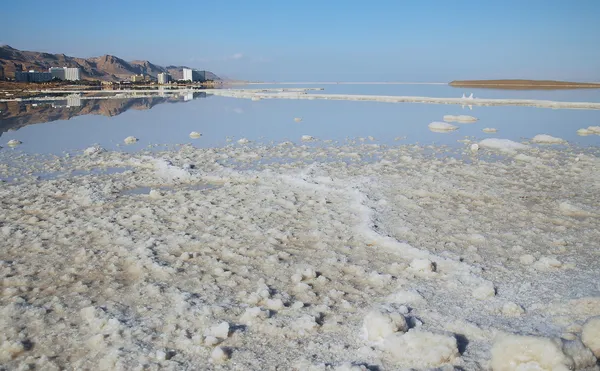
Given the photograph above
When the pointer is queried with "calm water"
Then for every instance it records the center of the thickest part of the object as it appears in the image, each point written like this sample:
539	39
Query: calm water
165	121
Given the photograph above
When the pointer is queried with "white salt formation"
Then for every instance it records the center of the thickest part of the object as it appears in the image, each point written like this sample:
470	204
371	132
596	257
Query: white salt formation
130	140
14	142
307	138
300	256
441	127
591	130
474	147
90	151
490	130
590	335
298	119
195	135
547	139
502	144
243	141
464	119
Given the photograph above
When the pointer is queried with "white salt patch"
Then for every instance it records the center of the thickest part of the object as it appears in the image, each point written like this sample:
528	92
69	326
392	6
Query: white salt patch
572	210
547	139
252	315
484	291
130	140
594	129
513	352
305	324
581	355
93	150
14	142
421	349
195	135
255	99
590	335
502	144
474	147
546	263
307	138
220	331
441	127
526	259
511	309
379	324
422	265
490	130
243	141
465	119
298	119
219	355
168	172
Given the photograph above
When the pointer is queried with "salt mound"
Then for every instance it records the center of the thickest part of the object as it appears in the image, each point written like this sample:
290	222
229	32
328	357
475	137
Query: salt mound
195	135
422	349
130	140
589	131
378	325
93	150
298	119
474	147
591	335
441	127
307	138
502	144
514	352
255	99
14	142
243	141
547	139
490	130
460	118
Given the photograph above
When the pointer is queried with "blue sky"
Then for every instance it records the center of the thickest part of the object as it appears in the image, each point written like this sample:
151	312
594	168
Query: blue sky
328	40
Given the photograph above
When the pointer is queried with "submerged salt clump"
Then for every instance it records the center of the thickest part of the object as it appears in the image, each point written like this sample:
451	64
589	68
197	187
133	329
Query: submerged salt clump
502	144
243	141
298	119
14	142
130	140
547	139
474	147
307	138
465	119
195	135
441	127
490	130
515	352
422	349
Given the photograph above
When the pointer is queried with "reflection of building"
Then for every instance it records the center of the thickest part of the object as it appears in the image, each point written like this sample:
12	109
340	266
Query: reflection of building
65	73
162	92
188	96
33	76
193	75
2	73
164	78
74	100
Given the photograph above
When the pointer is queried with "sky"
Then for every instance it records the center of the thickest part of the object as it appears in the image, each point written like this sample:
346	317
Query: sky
326	40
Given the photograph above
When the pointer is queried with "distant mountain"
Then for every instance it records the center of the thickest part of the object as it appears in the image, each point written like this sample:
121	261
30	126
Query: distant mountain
106	67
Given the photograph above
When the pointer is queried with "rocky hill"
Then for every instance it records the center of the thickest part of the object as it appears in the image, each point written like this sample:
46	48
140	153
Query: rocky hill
106	67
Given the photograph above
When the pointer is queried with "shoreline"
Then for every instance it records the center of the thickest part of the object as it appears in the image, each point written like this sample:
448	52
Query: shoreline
523	84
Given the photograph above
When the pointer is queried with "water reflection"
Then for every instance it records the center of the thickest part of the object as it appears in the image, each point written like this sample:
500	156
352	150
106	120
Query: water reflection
16	115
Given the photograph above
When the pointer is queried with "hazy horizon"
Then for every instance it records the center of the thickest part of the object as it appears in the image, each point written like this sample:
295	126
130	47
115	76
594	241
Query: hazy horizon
429	41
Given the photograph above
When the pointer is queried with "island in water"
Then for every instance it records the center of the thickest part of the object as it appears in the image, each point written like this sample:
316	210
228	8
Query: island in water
517	84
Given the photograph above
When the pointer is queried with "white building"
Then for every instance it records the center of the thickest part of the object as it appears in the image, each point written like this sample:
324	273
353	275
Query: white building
193	75
164	78
65	73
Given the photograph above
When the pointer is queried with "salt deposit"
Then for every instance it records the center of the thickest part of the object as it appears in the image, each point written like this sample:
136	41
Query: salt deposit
464	119
243	141
14	142
490	130
130	140
502	144
547	139
90	151
298	119
195	135
307	138
441	127
590	335
301	256
591	130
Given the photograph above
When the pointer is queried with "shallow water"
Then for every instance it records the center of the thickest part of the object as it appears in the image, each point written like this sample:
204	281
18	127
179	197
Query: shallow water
159	121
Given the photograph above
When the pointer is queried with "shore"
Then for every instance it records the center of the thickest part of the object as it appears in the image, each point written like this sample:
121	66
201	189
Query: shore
523	84
236	258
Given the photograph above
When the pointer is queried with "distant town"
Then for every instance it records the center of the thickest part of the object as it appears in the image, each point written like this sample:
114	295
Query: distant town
74	74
